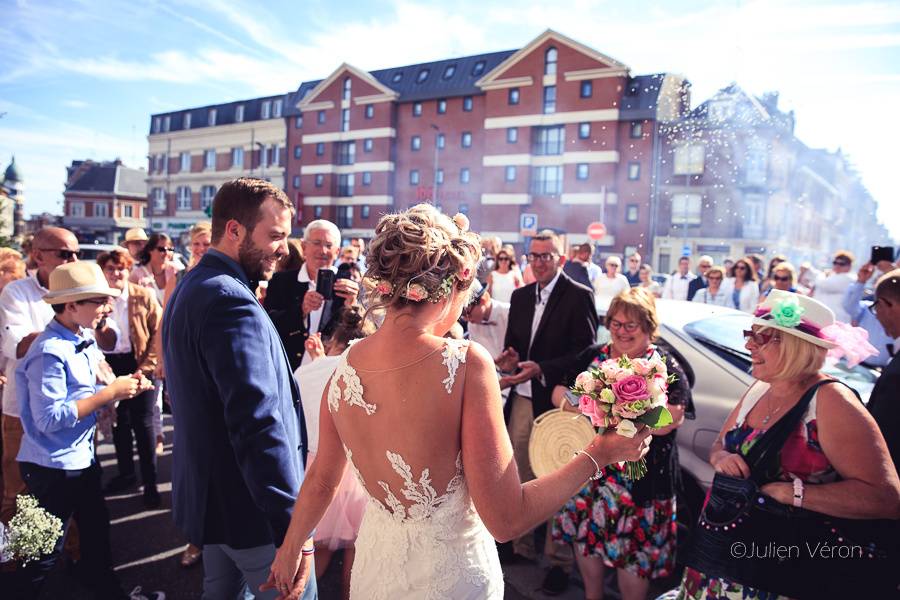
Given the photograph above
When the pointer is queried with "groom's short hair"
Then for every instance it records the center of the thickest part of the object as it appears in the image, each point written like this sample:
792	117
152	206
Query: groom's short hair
240	199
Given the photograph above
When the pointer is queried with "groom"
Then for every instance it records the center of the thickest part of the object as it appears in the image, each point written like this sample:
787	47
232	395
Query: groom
240	438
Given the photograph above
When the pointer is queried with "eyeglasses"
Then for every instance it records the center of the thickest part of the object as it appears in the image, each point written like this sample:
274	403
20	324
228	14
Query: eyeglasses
782	279
715	278
63	254
740	268
543	257
760	339
103	302
873	308
499	258
164	249
840	263
630	326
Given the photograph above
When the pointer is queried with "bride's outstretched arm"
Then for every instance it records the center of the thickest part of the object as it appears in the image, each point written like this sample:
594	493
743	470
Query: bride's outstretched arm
508	507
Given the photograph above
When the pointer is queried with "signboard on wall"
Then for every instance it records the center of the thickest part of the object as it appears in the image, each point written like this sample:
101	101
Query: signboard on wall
528	224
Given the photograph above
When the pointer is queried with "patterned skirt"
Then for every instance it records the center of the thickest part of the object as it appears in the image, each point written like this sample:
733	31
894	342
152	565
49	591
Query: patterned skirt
604	521
697	586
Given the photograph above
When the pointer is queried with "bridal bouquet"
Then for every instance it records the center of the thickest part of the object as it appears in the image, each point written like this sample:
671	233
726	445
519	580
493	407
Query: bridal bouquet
621	392
31	533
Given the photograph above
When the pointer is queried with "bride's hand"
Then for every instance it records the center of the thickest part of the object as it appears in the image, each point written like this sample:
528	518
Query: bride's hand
610	447
289	573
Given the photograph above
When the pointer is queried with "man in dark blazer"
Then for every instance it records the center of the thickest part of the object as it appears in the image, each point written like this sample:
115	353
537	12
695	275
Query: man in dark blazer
884	402
695	285
292	301
550	321
240	443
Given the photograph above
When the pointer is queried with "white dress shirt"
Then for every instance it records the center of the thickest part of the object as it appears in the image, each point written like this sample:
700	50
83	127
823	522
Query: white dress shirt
492	333
22	311
676	287
830	291
315	317
541	298
119	317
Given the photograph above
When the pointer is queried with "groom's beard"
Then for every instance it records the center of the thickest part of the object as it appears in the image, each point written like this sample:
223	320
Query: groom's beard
254	261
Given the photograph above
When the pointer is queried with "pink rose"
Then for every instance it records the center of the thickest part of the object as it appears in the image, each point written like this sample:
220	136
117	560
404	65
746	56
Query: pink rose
631	389
416	292
642	366
613	372
586	406
383	288
585	381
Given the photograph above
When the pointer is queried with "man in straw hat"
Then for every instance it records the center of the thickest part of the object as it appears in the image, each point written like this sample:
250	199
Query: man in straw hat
58	395
135	239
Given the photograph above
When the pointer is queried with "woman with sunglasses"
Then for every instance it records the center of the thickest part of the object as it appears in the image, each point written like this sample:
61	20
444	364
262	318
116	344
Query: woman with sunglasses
744	287
783	278
714	293
617	523
157	265
504	278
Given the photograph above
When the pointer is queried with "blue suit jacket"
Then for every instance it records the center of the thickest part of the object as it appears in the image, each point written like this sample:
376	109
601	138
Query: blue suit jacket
240	438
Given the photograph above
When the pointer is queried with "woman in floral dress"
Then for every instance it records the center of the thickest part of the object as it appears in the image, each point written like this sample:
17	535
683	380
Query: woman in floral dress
615	523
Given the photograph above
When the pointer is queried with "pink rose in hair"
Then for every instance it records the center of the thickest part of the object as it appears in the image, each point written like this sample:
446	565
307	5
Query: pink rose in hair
416	292
384	288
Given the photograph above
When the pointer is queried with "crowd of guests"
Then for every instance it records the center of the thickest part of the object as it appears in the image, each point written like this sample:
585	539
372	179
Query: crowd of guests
101	325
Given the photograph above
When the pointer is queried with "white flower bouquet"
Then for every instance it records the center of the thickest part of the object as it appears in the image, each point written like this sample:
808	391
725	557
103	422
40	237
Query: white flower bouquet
32	532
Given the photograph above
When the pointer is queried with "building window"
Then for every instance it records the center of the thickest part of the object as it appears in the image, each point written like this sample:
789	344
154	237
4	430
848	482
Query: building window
637	130
345	119
209	159
686	209
584	131
320	180
298	151
276	108
512	96
317	212
464	176
549	140
510	174
512	135
631	213
587	89
266	110
757	159
634	171
239	113
397	77
320	117
275	152
100	209
185	160
367	145
159	199
207	193
211	117
449	70
237	158
441	141
296	181
367	178
157	124
344	217
415	143
345	153
184	197
298	122
439	176
320	149
417	109
441	106
364	211
582	171
550	61
466	140
187	120
549	99
345	185
76	209
546	181
127	211
414	177
422	76
347	85
467	104
370	111
478	69
689	160
167	123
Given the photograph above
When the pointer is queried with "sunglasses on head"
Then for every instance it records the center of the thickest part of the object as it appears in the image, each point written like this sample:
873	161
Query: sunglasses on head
63	253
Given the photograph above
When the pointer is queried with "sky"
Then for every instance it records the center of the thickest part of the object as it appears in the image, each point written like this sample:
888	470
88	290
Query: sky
80	78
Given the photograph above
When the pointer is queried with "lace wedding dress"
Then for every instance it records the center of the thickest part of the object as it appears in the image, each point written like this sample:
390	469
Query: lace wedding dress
434	546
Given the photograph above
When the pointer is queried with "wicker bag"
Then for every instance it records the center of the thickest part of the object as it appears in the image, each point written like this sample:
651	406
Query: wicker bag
555	436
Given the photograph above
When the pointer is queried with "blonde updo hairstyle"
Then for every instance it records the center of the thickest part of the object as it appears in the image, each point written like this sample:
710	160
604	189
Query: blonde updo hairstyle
420	246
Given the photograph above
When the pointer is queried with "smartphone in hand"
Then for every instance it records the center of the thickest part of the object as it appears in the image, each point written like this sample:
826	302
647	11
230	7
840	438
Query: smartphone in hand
880	253
325	283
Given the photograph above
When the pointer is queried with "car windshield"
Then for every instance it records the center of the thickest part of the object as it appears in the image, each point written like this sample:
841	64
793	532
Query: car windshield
723	334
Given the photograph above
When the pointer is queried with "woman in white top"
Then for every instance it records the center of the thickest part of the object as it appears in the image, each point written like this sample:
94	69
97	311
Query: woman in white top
744	287
611	283
645	273
504	278
716	293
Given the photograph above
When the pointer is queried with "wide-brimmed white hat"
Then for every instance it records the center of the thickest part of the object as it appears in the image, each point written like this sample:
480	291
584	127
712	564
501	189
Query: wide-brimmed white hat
76	281
797	315
135	234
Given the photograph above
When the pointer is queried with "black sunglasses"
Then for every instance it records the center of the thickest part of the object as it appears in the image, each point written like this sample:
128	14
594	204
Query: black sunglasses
164	249
783	279
63	254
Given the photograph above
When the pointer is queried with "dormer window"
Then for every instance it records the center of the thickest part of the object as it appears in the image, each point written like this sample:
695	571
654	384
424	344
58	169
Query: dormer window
478	69
397	77
449	71
423	75
550	61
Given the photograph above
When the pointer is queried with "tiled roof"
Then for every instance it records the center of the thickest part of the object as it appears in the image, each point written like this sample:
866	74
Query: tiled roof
640	98
101	178
225	113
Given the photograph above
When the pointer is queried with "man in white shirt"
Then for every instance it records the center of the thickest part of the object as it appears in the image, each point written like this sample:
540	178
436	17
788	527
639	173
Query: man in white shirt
487	320
677	284
831	288
23	316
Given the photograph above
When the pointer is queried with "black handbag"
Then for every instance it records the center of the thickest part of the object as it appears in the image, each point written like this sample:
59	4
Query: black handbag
744	536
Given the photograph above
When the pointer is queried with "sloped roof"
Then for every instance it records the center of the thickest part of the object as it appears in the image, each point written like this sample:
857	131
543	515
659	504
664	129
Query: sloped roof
225	113
110	178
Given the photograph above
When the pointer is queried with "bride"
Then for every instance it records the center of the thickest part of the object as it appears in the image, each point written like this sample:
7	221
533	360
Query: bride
419	418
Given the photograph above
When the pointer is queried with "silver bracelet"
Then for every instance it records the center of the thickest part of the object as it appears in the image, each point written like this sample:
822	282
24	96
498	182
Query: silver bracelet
598	474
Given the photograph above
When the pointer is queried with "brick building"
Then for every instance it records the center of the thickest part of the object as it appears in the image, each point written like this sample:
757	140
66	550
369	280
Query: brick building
555	129
102	200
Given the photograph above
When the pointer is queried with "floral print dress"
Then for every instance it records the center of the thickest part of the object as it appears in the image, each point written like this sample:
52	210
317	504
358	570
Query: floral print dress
630	525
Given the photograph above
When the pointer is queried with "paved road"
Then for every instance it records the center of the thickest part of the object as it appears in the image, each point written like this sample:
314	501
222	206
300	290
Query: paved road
146	546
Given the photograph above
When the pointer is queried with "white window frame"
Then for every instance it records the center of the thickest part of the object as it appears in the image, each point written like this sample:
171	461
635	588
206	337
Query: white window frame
239	113
207	193
466	140
127	211
687	209
211	117
689	159
185	161
187	120
209	159
184	201
276	108
159	199
265	111
237	157
76	209
97	210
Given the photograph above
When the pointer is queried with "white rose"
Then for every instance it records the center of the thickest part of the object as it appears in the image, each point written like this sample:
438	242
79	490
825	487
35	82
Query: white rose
585	381
626	428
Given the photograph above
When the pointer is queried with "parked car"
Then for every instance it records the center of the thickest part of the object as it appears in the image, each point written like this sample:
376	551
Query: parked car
92	251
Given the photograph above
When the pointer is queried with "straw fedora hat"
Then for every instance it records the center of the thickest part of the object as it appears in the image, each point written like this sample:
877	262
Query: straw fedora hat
135	234
797	315
76	281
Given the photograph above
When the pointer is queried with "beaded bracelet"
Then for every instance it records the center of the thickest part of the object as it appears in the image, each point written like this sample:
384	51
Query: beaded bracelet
308	551
599	474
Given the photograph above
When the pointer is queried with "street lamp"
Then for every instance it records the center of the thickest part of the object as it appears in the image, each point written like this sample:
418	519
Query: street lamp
437	136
